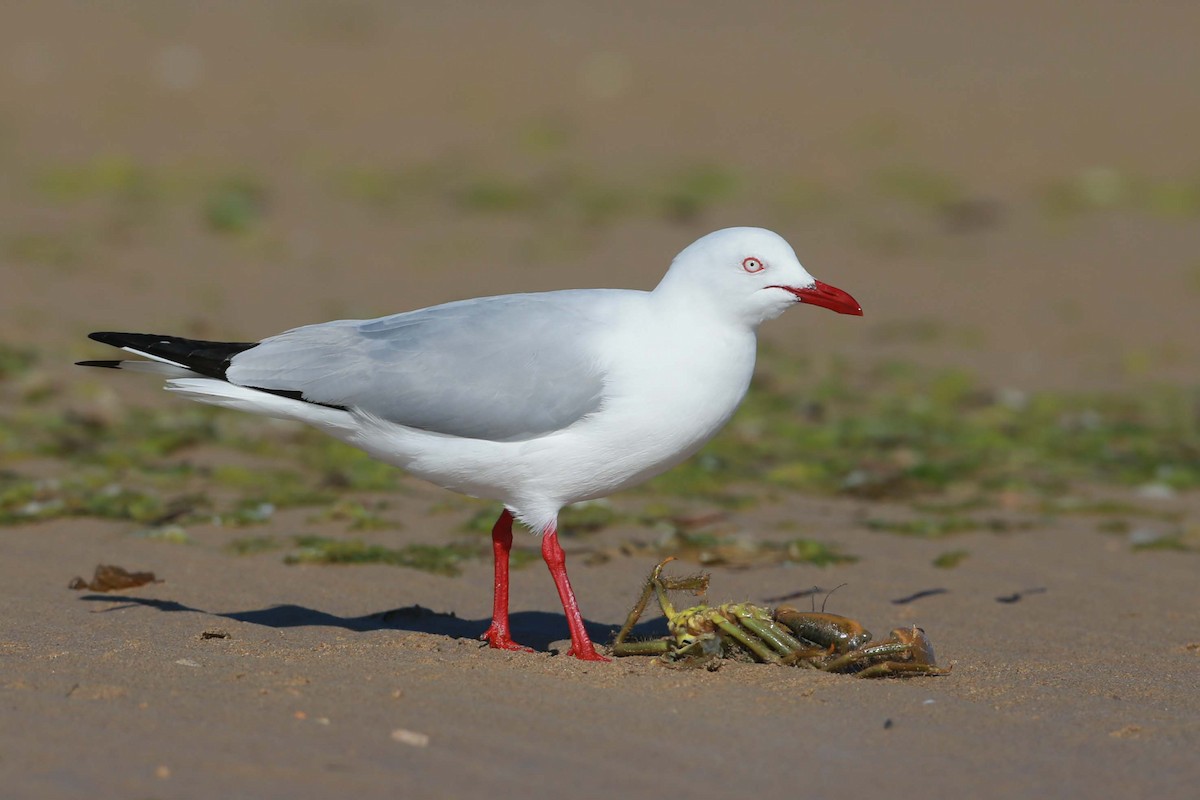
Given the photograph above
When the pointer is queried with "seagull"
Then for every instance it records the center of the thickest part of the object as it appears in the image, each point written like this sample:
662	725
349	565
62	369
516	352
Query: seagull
536	401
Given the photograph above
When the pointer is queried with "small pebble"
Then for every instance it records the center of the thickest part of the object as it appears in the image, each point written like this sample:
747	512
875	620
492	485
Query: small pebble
1144	536
1156	491
412	738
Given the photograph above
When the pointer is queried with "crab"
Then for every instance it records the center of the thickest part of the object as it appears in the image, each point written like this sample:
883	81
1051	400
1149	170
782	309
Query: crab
811	639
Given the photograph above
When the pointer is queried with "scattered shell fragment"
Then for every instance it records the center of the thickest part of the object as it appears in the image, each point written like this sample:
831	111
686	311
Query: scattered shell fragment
96	691
1127	732
412	738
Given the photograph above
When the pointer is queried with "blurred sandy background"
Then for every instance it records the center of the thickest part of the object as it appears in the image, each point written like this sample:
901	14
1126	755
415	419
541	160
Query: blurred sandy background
1022	177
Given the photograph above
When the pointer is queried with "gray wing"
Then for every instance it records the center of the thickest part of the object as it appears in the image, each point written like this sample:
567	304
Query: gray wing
501	368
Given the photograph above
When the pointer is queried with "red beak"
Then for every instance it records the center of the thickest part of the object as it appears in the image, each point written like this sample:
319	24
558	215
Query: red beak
826	296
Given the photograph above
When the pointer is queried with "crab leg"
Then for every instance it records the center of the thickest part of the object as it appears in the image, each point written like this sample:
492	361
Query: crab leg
840	663
655	584
749	642
650	647
908	645
634	616
771	633
900	667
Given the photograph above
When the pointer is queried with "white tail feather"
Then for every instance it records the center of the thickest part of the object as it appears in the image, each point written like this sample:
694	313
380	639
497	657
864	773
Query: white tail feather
163	368
227	395
151	356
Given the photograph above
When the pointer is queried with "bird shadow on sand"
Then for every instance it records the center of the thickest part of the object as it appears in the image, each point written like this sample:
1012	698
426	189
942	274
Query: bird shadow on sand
537	629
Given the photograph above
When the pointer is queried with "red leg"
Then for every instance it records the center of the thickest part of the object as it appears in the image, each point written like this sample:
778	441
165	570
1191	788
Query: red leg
556	560
498	635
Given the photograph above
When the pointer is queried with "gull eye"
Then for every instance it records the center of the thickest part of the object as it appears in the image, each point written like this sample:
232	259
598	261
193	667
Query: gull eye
753	265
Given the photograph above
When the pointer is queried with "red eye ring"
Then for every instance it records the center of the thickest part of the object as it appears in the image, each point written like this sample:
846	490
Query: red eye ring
753	265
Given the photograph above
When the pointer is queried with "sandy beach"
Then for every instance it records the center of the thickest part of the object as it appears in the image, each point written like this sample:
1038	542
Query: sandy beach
1011	193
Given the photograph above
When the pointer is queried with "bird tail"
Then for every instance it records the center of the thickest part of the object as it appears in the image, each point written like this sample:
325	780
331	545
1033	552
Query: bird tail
256	401
160	368
196	369
186	356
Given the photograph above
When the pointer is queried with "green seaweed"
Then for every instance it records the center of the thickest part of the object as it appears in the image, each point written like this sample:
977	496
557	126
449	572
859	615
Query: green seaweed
951	559
248	511
344	467
279	488
43	248
358	516
921	186
137	437
935	439
235	205
817	553
253	545
739	549
521	557
902	433
388	189
692	191
28	500
589	517
578	519
1106	189
109	176
481	521
939	527
172	534
15	361
1175	542
498	194
438	559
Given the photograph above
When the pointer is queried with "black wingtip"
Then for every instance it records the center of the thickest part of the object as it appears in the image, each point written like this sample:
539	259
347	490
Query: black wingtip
207	358
111	337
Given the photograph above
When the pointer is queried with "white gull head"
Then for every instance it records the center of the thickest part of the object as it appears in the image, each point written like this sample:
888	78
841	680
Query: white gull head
748	274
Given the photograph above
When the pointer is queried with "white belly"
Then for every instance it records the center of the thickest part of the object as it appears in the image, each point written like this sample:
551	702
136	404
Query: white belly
656	414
